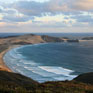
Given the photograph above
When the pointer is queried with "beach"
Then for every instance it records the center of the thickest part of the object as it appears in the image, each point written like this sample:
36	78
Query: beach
3	66
8	43
39	63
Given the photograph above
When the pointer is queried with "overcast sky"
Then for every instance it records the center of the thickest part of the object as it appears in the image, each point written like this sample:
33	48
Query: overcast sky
46	16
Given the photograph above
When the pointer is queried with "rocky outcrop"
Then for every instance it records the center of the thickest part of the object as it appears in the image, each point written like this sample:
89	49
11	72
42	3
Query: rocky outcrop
51	39
72	40
87	38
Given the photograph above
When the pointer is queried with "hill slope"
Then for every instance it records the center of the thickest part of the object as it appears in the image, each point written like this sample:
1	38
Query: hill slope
16	83
85	78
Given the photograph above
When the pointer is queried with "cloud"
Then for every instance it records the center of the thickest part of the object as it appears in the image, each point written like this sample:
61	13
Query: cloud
15	18
84	18
7	10
30	7
51	13
12	15
2	24
82	5
34	8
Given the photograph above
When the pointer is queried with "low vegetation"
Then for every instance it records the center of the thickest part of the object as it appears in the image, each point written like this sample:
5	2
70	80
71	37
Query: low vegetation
3	47
16	83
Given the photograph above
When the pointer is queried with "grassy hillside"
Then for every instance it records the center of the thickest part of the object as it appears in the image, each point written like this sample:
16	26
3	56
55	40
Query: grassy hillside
16	83
85	78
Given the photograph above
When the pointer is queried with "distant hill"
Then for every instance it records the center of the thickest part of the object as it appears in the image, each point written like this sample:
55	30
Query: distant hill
33	39
87	38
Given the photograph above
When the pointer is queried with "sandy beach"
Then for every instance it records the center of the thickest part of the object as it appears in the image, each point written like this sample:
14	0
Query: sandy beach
3	66
12	42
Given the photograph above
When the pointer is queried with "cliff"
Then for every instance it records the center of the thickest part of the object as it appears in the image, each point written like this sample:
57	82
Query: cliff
52	39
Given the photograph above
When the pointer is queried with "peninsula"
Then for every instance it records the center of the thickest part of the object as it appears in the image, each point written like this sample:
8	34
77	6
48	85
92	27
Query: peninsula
6	43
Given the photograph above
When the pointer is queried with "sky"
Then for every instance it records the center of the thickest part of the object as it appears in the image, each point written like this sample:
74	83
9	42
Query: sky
68	16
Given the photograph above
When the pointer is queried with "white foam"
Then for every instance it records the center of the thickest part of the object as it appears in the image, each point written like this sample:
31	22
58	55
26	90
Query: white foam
41	72
57	73
14	54
65	78
29	62
57	70
17	62
19	71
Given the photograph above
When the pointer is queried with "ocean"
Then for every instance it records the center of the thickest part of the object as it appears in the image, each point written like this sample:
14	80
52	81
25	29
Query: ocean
69	35
52	61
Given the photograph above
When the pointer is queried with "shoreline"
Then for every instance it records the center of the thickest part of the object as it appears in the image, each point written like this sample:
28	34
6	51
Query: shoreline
14	42
9	69
3	66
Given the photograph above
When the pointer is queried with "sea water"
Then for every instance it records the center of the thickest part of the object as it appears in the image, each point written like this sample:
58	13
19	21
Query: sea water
51	61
